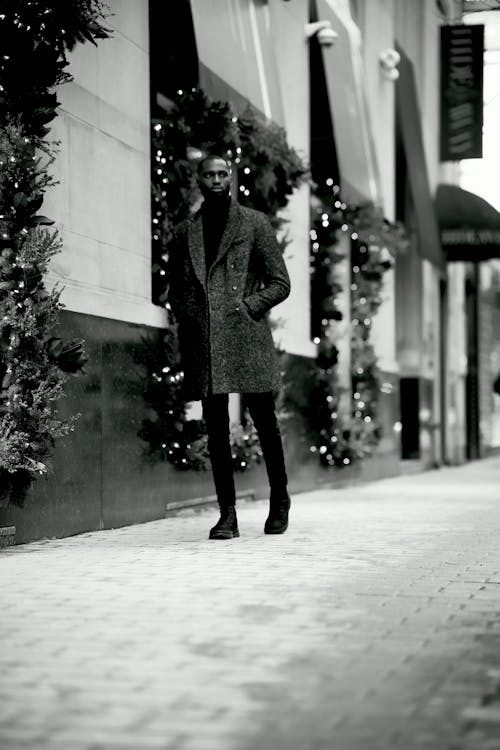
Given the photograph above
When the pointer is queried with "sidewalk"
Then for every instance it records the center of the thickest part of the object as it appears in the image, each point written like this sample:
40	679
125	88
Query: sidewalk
373	624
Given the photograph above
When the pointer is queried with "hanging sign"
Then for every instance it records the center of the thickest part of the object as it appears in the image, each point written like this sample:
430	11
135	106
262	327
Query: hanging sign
462	52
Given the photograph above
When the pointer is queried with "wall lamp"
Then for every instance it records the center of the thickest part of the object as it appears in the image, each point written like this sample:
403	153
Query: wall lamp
389	60
323	31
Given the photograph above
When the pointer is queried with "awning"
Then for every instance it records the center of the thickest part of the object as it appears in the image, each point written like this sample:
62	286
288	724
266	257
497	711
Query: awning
237	55
469	225
409	121
344	76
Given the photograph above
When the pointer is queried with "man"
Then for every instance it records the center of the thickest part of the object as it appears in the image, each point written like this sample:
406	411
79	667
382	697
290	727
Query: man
226	272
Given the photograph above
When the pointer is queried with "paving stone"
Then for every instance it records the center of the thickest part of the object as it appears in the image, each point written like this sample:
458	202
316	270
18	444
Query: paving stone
373	624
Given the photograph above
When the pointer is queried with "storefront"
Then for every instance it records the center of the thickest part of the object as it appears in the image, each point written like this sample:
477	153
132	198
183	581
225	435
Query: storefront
470	234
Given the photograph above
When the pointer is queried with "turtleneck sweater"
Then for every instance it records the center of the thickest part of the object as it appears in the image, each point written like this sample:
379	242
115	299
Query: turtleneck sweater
214	213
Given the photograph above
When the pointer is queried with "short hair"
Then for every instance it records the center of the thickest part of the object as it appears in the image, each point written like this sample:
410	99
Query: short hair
211	157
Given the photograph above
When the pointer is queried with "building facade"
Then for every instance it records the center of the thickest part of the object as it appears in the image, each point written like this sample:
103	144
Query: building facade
386	133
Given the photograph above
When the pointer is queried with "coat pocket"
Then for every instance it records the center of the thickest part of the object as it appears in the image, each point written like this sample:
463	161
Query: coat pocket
242	306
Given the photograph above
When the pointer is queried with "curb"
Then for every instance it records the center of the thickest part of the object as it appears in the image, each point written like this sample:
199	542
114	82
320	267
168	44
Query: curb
199	503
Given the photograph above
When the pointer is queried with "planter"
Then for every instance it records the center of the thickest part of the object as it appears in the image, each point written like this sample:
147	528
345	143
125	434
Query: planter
14	487
7	536
5	488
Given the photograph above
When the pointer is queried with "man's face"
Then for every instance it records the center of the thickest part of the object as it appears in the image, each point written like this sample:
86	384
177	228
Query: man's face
215	178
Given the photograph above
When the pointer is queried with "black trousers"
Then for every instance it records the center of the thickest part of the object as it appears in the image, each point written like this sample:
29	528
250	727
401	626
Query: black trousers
262	410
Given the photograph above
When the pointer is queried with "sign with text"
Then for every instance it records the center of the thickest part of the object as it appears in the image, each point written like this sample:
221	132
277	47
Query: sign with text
462	52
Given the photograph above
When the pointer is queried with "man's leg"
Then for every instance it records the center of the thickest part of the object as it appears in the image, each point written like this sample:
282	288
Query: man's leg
263	412
216	416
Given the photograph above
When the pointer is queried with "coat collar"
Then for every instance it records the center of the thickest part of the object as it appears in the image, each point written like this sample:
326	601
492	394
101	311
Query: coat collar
195	240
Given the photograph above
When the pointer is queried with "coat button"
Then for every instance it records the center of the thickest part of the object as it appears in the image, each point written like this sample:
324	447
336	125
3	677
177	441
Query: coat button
233	265
234	288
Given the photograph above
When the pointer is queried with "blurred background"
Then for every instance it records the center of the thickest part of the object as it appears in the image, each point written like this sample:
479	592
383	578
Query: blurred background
367	130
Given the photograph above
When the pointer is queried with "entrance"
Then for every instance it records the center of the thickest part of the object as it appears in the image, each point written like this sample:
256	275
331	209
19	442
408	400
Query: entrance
472	408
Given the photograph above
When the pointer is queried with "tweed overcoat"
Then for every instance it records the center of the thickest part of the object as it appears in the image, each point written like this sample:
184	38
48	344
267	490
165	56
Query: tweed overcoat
225	339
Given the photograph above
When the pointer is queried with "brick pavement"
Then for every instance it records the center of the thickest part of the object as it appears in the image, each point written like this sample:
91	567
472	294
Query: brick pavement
373	624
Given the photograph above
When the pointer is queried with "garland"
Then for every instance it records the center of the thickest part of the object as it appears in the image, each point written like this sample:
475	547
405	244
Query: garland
268	170
34	364
312	393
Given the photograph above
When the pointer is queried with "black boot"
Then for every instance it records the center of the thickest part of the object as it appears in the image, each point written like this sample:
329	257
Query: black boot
277	520
227	525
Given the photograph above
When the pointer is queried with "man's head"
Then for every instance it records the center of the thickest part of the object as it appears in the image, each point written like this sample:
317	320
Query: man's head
214	176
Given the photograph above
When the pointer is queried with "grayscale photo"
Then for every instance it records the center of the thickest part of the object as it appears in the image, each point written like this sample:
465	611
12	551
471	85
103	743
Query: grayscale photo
250	374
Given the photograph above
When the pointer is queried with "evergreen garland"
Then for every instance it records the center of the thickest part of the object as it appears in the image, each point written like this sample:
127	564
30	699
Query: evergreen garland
312	392
268	170
34	364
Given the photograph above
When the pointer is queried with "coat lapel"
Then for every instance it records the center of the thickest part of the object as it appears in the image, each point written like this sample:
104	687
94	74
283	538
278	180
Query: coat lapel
196	249
233	222
195	240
